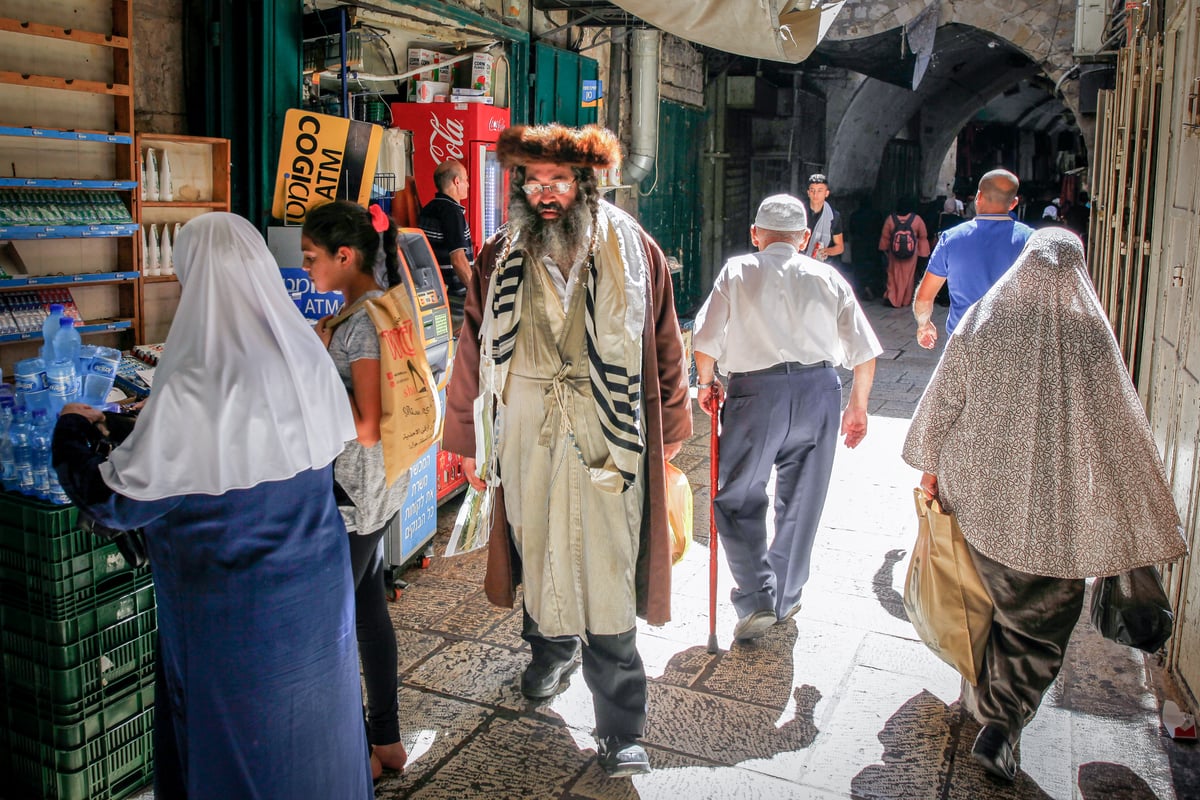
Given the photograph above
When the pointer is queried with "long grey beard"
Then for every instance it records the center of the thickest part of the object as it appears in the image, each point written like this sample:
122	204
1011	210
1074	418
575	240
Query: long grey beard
561	239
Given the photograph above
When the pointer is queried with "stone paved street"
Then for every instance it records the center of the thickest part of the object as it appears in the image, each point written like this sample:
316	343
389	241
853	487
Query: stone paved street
842	702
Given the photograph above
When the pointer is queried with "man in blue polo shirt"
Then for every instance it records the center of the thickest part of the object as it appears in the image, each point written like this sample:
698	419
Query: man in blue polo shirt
972	256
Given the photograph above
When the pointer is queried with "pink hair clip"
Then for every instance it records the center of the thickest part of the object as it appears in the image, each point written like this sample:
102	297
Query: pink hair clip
379	219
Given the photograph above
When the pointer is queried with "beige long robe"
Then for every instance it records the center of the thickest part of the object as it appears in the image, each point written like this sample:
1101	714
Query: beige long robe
1035	430
666	414
578	543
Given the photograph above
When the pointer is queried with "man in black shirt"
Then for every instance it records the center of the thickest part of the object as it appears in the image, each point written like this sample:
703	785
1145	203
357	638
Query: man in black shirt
444	220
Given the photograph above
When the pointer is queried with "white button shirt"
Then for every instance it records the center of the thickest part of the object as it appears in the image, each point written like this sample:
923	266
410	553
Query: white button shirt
779	306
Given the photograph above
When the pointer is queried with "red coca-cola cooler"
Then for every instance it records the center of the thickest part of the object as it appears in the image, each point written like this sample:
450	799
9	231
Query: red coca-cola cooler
466	132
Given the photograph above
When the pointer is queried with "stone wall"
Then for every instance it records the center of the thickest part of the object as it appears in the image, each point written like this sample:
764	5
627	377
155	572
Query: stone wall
681	74
158	98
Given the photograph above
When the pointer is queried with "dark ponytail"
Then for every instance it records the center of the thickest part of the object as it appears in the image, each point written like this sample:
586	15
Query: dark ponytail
346	224
391	254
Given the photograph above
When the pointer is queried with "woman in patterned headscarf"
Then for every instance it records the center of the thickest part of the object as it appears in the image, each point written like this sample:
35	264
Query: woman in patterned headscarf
1032	433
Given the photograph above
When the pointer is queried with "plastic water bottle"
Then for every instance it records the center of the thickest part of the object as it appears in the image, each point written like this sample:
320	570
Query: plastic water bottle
29	375
50	330
98	380
8	463
22	457
39	454
86	353
67	343
63	383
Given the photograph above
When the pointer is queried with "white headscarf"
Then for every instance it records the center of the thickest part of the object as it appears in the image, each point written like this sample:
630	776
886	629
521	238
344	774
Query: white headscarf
245	392
1035	430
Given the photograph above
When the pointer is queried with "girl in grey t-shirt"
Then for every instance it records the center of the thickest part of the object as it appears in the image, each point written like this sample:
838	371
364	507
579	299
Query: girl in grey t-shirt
343	244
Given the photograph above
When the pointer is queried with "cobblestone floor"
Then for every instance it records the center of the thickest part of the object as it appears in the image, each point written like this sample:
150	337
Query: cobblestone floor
841	702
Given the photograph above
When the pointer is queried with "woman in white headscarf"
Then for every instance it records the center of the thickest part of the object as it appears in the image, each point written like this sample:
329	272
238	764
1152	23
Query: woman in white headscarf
1032	433
229	472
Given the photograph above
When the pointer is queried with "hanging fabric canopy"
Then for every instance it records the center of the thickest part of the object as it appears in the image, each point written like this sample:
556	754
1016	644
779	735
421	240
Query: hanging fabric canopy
777	30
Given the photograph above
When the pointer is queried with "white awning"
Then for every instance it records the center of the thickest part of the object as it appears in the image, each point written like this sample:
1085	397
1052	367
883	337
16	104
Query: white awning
777	30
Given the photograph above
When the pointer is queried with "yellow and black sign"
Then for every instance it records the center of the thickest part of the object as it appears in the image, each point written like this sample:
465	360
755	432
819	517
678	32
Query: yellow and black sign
322	159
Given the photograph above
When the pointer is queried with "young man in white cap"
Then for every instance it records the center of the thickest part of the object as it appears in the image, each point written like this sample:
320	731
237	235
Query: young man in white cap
777	322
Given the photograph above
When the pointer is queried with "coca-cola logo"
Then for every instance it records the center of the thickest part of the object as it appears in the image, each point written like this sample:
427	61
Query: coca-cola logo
446	140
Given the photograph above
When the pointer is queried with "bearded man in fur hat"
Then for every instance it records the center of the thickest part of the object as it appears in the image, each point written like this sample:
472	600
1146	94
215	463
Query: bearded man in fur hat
569	394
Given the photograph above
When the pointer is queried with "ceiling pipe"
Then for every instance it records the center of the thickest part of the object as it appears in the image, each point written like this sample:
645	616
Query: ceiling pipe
643	141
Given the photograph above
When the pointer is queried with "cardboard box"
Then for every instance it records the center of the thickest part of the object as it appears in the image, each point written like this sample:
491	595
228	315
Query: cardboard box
481	72
429	91
421	57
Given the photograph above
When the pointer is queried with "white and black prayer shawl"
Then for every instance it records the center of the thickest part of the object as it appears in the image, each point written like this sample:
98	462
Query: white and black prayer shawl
616	280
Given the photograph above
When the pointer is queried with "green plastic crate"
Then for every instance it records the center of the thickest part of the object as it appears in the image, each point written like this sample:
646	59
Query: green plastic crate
47	519
70	597
96	564
116	765
100	661
85	623
44	546
43	725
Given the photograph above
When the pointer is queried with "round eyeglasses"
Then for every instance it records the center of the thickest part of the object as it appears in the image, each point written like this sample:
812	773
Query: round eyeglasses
558	187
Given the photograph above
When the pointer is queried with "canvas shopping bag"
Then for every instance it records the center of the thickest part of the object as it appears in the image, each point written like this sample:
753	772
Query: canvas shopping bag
944	598
412	409
679	511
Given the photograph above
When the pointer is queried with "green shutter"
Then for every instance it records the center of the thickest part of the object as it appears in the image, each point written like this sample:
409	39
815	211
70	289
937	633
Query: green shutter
670	209
558	86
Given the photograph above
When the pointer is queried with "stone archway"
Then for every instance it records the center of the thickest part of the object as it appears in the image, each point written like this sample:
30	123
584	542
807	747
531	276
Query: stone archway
1007	41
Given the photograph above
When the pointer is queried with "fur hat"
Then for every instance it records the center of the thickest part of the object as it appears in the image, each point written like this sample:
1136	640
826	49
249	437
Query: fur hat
589	146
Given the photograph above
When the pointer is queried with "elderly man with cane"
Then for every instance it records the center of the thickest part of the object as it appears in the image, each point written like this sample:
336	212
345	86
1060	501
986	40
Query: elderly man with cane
778	321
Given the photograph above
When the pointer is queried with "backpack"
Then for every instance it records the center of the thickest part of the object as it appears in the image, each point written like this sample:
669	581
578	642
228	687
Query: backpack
904	241
412	409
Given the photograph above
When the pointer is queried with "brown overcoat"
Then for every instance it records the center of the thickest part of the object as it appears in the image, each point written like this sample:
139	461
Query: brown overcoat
667	413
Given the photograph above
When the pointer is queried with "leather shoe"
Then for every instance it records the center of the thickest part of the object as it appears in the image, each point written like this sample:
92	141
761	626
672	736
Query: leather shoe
622	756
754	625
994	752
545	674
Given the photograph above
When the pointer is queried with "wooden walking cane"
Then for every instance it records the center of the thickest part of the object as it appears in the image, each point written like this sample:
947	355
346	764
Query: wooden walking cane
715	449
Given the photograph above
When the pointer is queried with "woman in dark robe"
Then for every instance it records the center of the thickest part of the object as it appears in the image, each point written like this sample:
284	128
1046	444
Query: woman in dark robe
229	472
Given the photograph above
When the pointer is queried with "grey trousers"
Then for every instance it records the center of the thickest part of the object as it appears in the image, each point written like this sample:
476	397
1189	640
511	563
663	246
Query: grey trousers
613	671
1034	618
788	421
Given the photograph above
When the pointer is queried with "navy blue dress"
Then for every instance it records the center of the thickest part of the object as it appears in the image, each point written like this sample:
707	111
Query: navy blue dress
257	693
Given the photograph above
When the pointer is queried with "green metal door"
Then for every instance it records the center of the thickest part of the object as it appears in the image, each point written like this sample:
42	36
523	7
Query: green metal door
669	205
558	86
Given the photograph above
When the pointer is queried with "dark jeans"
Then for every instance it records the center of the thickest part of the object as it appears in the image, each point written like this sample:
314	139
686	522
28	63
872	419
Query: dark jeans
376	637
613	671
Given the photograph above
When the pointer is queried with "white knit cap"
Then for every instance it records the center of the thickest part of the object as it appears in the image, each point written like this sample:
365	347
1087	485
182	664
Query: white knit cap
781	212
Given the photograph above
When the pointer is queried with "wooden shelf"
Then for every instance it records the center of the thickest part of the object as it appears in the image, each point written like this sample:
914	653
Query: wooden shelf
102	137
172	278
66	84
90	72
218	205
65	34
23	282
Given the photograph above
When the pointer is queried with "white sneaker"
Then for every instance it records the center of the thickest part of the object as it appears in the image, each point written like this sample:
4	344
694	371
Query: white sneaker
754	625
